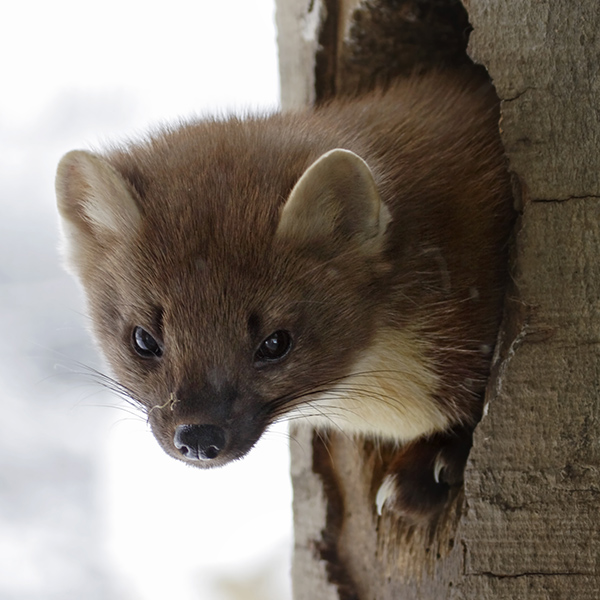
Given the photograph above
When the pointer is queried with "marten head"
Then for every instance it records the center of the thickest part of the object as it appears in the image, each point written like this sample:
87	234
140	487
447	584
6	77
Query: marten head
224	296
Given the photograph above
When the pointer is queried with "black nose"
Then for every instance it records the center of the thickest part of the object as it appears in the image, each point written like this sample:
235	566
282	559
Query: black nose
199	442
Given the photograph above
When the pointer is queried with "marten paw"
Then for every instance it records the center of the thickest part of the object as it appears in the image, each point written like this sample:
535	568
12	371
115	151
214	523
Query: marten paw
419	479
415	493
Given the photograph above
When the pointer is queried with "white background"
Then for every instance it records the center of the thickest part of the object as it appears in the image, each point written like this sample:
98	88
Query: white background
90	508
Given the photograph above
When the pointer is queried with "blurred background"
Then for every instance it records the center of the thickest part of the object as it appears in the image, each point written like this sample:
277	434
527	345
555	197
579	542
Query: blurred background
90	507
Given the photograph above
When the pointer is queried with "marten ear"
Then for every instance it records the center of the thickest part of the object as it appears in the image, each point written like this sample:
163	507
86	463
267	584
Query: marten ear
335	202
97	205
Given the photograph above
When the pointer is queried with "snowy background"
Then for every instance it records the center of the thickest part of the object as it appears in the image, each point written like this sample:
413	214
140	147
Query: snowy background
90	508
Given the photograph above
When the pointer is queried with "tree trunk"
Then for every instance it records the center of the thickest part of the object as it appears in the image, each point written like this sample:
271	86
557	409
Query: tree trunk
527	522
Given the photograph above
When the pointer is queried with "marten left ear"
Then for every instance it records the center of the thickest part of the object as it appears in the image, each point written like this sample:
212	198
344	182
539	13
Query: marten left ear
335	202
99	208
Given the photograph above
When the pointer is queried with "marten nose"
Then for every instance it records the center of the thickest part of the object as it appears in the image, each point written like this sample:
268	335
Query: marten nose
199	442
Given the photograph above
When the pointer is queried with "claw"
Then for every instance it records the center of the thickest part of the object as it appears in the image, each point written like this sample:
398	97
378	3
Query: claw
386	491
438	467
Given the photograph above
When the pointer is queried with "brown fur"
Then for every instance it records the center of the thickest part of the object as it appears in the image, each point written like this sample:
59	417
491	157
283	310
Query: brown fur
208	273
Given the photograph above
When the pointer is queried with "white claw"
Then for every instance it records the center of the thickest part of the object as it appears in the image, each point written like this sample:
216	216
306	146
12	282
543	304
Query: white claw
386	491
438	467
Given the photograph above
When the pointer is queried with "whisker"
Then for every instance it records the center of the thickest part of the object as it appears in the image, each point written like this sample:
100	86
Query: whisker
97	377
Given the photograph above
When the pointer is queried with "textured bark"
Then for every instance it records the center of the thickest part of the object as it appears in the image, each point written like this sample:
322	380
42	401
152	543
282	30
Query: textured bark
533	523
527	523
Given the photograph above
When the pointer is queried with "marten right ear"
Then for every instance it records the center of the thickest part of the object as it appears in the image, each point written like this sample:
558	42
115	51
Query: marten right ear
335	204
96	204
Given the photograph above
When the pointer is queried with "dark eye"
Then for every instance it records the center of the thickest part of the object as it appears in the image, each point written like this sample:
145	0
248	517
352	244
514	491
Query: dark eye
144	344
275	347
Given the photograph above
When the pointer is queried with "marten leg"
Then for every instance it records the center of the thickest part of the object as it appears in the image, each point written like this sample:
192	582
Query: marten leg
419	478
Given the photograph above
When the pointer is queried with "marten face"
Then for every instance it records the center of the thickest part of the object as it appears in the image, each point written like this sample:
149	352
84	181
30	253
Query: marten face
222	320
230	350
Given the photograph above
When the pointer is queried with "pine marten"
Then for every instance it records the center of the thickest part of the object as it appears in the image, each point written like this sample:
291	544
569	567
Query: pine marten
345	263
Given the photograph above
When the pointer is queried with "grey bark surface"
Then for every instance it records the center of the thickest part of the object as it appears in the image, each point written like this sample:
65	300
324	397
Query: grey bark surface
298	25
532	528
527	523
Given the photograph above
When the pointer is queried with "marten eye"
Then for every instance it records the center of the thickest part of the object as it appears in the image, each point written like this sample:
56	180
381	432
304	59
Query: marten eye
275	347
144	344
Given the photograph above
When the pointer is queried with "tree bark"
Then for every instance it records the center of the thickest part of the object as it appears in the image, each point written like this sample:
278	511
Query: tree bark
527	522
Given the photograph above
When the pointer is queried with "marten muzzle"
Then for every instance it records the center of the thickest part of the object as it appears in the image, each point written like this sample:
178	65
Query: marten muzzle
199	442
208	425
